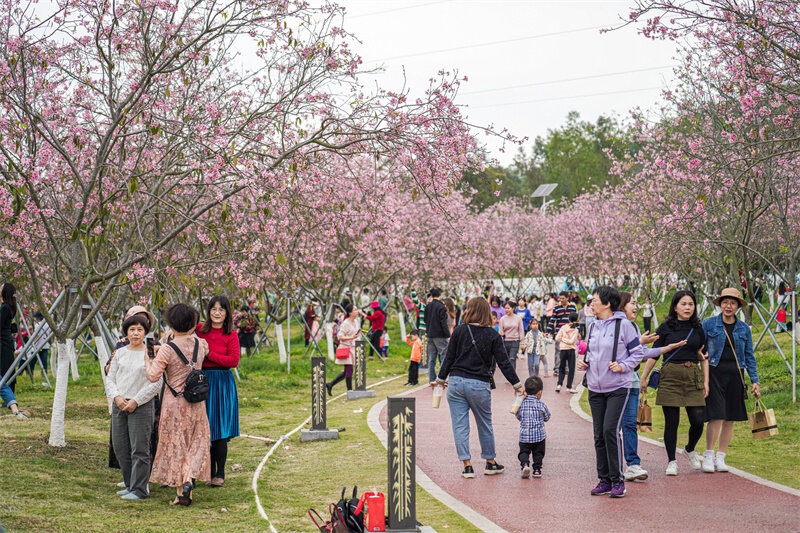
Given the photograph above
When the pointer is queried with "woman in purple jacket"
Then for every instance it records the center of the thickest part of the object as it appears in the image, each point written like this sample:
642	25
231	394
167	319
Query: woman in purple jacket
609	375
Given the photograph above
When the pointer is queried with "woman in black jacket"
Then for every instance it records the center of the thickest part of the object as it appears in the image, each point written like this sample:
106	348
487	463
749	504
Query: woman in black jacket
474	349
8	309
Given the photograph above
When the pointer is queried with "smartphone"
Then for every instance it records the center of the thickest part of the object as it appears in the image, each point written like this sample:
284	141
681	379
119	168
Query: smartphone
150	343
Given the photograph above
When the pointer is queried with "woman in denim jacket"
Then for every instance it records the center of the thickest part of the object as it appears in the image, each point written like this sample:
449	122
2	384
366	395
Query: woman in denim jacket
730	350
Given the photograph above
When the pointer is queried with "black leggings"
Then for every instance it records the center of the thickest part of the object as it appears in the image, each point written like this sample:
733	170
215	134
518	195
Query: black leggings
567	359
219	454
375	342
672	416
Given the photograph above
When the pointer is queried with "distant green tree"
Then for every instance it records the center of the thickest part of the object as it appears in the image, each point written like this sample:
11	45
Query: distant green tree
527	173
491	185
574	156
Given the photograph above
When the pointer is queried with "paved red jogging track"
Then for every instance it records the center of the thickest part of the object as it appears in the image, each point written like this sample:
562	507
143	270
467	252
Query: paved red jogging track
560	500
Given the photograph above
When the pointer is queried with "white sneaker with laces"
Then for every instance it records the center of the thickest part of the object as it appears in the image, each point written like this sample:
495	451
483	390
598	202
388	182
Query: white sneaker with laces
708	461
719	463
692	457
672	468
635	473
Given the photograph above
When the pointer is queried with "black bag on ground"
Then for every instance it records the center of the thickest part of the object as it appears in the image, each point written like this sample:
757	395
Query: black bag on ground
196	387
347	506
334	525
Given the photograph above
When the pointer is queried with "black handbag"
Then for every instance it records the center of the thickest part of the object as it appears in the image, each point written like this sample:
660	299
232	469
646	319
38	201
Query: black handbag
195	388
347	509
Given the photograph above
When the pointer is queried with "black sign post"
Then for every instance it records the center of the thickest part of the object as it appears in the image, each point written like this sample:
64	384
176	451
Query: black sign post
360	373
401	435
319	422
360	366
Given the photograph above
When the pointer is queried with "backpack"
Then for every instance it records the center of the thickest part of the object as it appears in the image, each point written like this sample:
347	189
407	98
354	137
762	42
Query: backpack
347	508
195	388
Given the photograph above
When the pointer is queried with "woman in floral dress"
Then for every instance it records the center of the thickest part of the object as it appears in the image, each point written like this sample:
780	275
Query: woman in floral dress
184	436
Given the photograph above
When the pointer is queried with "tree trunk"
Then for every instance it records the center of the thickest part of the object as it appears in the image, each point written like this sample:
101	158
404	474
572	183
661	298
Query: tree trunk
279	341
73	362
66	351
102	358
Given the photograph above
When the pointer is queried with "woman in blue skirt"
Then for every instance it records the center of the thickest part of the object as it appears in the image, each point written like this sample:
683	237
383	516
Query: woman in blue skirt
222	404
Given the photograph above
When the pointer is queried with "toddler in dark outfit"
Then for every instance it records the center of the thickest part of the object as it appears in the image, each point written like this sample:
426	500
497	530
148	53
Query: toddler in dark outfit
532	414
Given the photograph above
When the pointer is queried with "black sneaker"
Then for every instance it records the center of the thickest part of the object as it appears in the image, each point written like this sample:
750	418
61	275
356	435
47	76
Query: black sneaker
494	468
468	472
526	471
537	472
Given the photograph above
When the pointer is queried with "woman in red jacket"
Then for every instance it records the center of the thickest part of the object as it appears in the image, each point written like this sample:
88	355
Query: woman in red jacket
222	405
377	321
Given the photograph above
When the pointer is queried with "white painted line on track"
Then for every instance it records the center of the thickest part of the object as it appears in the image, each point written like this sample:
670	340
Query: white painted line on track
257	473
475	518
574	404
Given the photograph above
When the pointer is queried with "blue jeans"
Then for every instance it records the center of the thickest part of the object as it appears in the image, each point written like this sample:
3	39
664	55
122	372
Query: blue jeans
533	364
436	347
630	439
465	395
512	347
7	396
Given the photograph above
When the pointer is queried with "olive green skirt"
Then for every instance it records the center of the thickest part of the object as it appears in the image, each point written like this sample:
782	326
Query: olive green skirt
680	386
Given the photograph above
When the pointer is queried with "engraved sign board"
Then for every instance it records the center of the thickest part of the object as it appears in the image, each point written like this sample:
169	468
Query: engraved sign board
360	366
318	396
402	464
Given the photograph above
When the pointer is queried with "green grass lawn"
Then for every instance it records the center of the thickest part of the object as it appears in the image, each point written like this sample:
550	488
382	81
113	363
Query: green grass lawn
775	458
71	488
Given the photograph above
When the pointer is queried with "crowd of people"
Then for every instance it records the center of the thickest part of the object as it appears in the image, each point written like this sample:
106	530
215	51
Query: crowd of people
702	371
158	433
159	436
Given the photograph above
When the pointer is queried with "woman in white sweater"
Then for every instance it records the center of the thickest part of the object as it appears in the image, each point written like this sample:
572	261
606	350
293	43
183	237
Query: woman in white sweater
133	410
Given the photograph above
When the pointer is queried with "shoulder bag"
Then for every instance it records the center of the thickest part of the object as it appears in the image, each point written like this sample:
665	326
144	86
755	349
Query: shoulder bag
655	376
492	384
195	389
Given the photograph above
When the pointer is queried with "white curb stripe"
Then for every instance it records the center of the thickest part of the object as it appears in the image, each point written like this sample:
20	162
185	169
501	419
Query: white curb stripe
475	518
574	404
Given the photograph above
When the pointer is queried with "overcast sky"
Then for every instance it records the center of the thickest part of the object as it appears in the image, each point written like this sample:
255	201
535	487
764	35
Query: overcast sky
529	62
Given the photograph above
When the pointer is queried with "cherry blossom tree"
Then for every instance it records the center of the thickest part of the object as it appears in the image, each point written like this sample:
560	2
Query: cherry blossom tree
131	132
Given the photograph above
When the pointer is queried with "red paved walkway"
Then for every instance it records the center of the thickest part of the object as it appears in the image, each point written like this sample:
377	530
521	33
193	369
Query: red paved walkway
560	500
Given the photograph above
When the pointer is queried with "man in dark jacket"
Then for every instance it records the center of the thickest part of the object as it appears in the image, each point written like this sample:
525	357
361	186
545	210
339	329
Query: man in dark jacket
438	331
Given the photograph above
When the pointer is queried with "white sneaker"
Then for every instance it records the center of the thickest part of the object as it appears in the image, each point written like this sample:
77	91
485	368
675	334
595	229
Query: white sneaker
672	468
121	484
692	457
708	461
635	473
719	462
526	471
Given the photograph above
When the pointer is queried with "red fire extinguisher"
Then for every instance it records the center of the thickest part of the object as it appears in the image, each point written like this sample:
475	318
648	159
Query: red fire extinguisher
374	516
